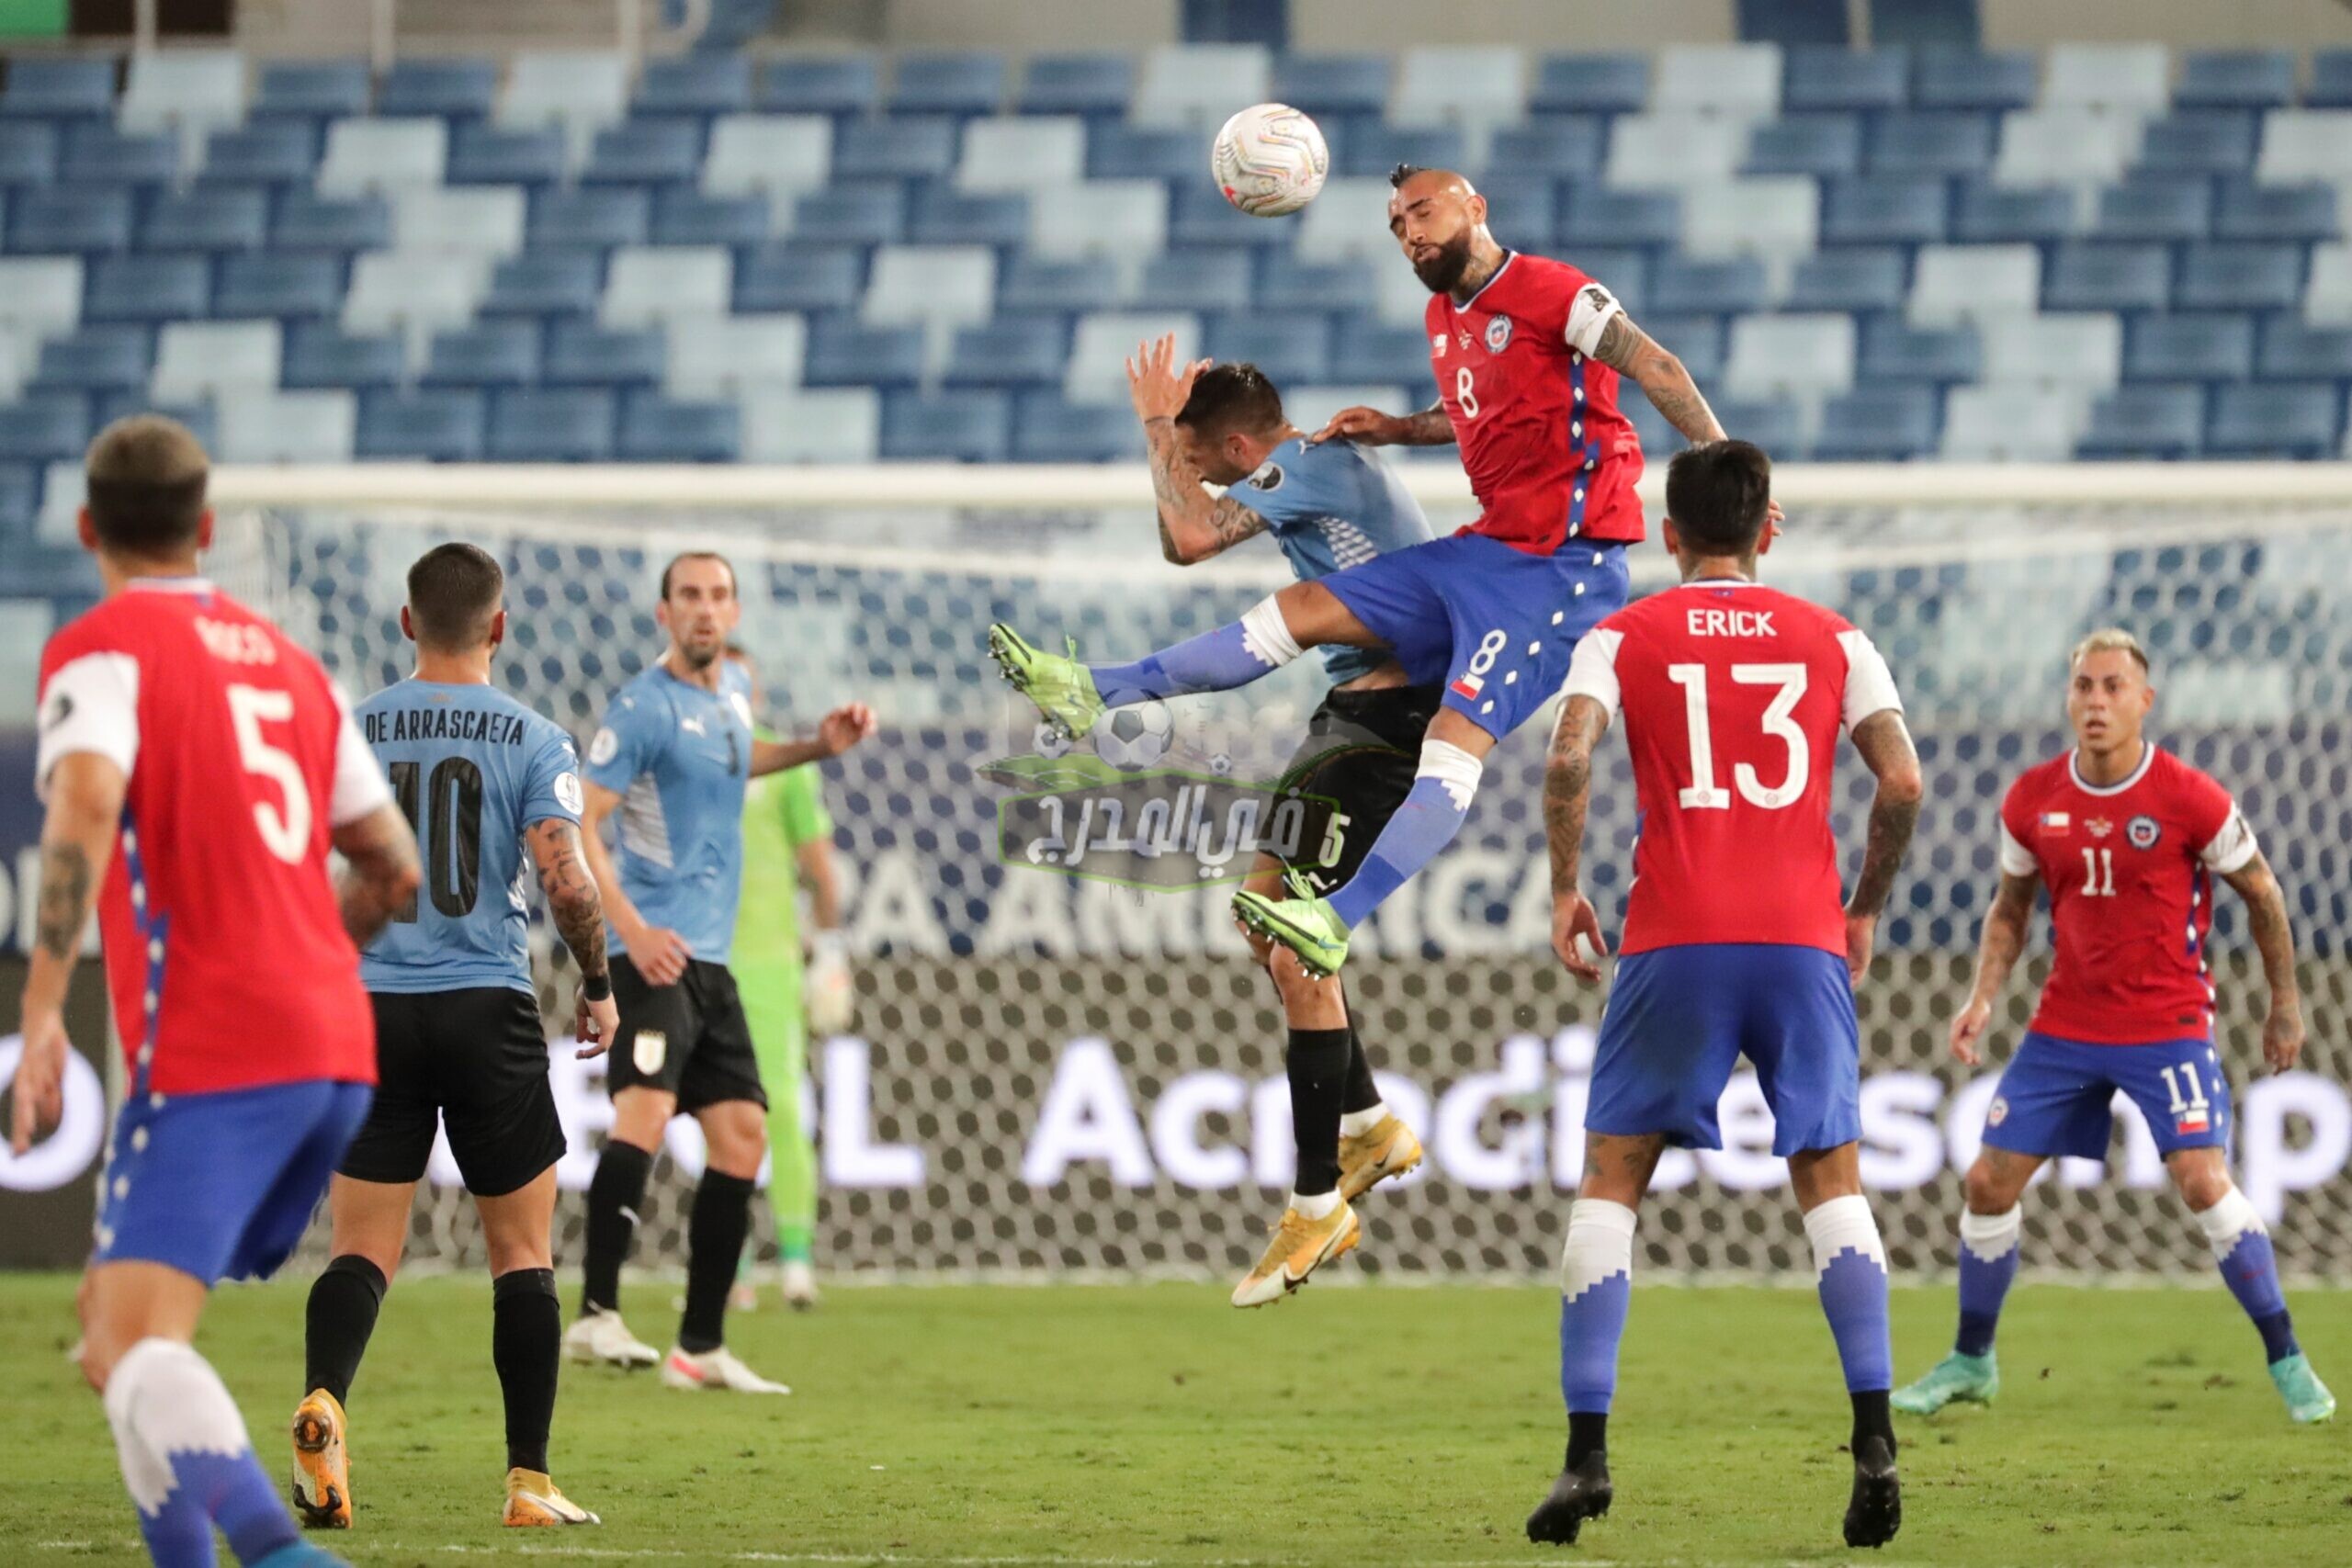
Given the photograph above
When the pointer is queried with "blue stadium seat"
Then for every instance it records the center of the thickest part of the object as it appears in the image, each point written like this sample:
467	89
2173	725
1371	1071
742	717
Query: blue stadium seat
1523	209
1047	429
265	152
1193	280
1940	142
306	222
68	218
2294	350
2239	275
322	355
647	151
961	83
458	88
59	88
655	429
2173	210
311	90
99	154
1817	77
2274	419
582	354
590	217
971	427
1892	351
19	506
210	217
1822	145
945	215
1201	215
1995	215
45	429
261	283
484	154
1590	84
908	147
690	217
1946	78
851	215
1557	146
148	289
1044	283
1598	215
1144	152
95	359
2247	79
546	283
1732	285
2200	141
491	354
1292	350
2108	277
1371	150
1777	426
433	426
851	354
1012	351
820	84
1878	424
1699	342
2202	347
701	82
2306	213
571	425
1369	353
1287	283
2149	421
2331	84
1329	86
789	276
1091	85
1625	272
1858	278
1883	210
28	152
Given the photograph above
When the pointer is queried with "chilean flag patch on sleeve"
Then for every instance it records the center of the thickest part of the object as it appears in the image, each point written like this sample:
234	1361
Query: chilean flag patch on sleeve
1467	685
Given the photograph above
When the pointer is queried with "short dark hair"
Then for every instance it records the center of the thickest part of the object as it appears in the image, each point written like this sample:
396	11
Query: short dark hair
1717	495
676	560
1227	397
1403	172
146	476
453	591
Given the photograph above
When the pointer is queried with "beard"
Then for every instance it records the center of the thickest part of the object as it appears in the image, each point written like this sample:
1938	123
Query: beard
700	655
1441	272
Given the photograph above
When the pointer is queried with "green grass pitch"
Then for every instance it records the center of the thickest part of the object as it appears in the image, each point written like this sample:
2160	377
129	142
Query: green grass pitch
1155	1424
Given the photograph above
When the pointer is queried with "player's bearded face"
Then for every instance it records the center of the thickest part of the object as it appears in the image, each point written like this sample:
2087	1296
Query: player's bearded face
699	616
1439	264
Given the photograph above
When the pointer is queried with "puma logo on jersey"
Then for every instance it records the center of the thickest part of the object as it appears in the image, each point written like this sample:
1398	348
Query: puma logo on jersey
1730	623
694	726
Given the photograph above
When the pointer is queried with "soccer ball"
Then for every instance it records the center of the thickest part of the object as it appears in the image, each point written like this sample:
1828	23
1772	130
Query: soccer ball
1270	160
1048	741
1134	737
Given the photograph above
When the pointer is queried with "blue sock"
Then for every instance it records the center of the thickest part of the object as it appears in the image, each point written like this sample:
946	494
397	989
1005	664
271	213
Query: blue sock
187	1461
1422	828
1851	1264
1988	1262
1596	1286
1233	655
2242	1246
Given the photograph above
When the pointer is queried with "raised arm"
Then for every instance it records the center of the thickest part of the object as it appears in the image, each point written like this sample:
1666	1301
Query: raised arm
1194	525
1634	353
1370	427
1567	786
382	873
85	790
578	911
2266	913
1885	746
836	733
1997	955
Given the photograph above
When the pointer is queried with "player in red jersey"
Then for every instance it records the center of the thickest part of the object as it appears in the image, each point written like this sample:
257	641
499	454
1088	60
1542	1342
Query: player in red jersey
2128	838
197	768
1736	942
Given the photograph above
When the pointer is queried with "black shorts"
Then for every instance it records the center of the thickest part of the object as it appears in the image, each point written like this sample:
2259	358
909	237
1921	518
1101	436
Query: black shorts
690	1039
1358	761
474	1061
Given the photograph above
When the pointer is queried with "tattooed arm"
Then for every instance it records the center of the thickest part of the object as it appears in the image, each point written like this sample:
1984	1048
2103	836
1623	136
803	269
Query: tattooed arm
2265	914
86	792
380	880
1567	783
1632	352
1370	427
579	914
1194	525
1885	745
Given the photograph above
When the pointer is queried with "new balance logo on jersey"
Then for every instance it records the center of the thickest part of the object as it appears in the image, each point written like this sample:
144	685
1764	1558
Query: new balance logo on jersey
1730	623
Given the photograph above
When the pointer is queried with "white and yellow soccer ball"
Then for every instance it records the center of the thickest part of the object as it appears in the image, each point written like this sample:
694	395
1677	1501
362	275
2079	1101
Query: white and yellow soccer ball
1269	160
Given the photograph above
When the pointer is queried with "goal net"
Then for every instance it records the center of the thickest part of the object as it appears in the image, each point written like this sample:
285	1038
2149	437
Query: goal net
1063	1061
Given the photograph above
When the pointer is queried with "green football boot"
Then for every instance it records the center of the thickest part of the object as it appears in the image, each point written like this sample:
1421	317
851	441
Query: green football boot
1969	1379
2307	1398
1062	688
1304	922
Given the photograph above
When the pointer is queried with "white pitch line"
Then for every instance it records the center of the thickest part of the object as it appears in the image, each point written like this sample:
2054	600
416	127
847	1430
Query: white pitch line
902	1559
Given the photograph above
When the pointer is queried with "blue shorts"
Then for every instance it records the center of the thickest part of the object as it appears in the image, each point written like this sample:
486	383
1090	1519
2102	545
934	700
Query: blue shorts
1496	626
2057	1097
220	1185
1678	1020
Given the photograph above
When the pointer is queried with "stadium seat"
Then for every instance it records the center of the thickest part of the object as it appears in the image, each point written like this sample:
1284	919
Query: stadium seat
28	152
1878	424
643	286
59	88
2293	351
685	216
851	354
1287	283
484	221
1680	286
726	356
840	426
545	283
1858	278
1820	145
324	354
2240	276
1596	215
1522	209
1367	351
1098	353
257	284
432	427
1883	210
2150	421
1291	349
1010	352
582	354
955	83
1119	151
1047	429
2089	276
1951	284
777	156
1993	215
148	289
2243	79
366	156
2305	144
68	221
212	361
834	84
2064	147
945	216
1310	406
1091	84
1671	151
2203	348
2174	211
1737	81
646	152
1590	84
1476	86
289	428
97	154
700	82
1800	357
1819	78
1039	284
911	147
1328	87
2331	83
590	217
787	276
2012	424
2127	78
306	222
936	286
1106	217
455	88
850	215
2296	212
419	295
1189	280
1777	218
52	429
1777	425
1697	341
106	358
655	429
581	91
207	219
41	295
486	354
1551	147
970	427
2081	350
1202	216
188	92
2327	297
1198	85
1941	143
566	425
2276	419
1893	352
311	91
1030	152
2200	141
267	152
1373	149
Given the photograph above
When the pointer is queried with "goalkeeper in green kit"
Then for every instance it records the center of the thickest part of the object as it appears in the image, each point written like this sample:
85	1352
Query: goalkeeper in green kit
788	843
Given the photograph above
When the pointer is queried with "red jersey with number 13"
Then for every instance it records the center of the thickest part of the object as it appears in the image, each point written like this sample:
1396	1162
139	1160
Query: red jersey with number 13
225	950
1535	416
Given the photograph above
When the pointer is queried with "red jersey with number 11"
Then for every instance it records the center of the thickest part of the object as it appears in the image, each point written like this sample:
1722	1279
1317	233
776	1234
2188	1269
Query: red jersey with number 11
225	950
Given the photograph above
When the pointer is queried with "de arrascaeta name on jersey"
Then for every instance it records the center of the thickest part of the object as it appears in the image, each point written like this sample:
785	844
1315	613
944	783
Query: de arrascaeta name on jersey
446	724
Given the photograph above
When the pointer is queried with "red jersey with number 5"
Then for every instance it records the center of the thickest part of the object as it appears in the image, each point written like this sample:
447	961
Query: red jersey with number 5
1535	416
1732	696
225	950
2130	868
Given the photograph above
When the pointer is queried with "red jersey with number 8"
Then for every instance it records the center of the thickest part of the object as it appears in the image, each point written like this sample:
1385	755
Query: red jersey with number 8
1732	696
225	952
2130	868
1535	416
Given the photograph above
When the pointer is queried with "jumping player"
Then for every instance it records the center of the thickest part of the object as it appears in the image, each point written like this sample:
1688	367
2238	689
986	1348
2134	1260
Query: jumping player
1527	353
2128	838
1734	945
458	1042
197	768
1326	504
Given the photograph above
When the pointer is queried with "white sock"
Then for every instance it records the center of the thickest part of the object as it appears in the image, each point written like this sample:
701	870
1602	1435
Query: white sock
1267	636
1842	1224
164	1399
1317	1207
1992	1237
2228	1220
1600	1245
1356	1123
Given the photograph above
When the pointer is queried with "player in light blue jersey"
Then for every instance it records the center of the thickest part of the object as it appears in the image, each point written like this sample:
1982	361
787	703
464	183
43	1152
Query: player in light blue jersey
669	766
459	1045
1328	506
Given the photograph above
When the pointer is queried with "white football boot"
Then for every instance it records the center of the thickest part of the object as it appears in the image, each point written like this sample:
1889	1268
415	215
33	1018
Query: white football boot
603	1337
715	1369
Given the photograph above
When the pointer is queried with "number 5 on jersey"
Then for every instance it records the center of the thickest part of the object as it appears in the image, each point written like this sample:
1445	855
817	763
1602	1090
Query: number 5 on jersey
286	831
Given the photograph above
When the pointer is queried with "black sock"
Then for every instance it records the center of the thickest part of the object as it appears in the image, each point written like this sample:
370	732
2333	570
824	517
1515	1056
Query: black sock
1318	1063
340	1317
1361	1093
1873	1419
613	1193
715	1233
526	1326
1587	1435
